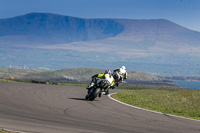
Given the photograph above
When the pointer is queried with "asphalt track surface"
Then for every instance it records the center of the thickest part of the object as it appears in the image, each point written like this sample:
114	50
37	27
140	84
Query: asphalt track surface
36	108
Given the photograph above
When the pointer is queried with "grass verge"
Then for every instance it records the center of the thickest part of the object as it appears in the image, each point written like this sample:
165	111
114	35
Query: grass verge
4	131
180	102
5	80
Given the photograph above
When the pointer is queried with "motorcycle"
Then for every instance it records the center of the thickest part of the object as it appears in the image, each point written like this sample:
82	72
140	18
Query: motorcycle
118	78
97	89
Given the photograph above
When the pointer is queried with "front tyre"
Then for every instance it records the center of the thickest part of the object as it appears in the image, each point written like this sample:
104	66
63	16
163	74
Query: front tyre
86	97
93	94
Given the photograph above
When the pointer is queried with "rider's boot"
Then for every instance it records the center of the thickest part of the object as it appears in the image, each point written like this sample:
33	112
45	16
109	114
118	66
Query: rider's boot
107	92
100	94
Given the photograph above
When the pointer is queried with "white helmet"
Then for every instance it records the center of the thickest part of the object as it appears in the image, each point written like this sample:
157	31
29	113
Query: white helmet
123	67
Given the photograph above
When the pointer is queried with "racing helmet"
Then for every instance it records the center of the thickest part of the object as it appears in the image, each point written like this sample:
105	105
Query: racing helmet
108	72
123	67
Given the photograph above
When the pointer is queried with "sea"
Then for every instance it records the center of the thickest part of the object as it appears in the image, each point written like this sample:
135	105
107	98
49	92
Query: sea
189	84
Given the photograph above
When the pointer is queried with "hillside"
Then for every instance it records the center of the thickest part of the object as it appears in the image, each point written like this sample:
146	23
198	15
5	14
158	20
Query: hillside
16	73
148	35
84	75
45	28
53	42
71	74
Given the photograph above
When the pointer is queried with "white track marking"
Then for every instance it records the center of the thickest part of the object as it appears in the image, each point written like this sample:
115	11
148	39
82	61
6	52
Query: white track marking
110	96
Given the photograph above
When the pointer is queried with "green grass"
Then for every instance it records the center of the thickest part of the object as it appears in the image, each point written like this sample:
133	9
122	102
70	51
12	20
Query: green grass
4	131
180	102
5	80
50	82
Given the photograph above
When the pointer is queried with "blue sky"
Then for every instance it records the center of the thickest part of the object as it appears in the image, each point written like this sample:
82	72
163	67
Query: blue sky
182	12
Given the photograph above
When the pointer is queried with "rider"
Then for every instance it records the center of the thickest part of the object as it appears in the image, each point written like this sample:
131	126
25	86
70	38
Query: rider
119	75
107	76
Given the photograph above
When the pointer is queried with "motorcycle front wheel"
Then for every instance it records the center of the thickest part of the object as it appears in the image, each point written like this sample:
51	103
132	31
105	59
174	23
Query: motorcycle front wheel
92	94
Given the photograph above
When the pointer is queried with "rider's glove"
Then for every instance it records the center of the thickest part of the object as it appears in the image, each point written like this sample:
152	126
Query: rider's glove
117	84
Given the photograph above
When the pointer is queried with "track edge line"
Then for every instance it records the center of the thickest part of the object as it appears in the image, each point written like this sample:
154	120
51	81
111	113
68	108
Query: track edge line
110	96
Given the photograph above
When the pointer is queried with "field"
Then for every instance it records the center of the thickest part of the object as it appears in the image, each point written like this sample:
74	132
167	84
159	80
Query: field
180	102
5	80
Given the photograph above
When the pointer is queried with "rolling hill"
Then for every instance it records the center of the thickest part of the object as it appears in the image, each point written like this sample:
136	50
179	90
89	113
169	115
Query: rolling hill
83	75
71	74
78	75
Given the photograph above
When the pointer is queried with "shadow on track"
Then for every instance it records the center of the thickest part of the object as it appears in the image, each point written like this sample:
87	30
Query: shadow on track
81	99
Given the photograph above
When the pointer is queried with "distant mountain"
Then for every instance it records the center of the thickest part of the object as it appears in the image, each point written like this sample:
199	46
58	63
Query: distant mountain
159	31
50	41
48	28
148	36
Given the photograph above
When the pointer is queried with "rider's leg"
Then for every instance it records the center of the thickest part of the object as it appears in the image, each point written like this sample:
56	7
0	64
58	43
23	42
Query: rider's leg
106	90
